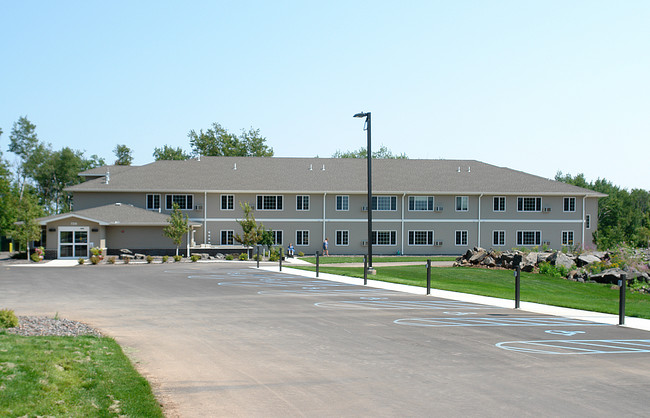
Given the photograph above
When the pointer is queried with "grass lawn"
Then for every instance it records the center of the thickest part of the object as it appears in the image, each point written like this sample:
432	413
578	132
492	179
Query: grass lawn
501	283
71	377
376	259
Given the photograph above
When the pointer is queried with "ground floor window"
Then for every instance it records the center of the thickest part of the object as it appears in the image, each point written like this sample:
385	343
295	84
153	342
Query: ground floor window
461	237
384	237
227	237
302	237
420	237
567	237
343	238
529	237
498	238
277	237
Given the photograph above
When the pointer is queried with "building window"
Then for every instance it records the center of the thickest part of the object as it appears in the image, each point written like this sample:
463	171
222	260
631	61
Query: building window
529	204
461	238
302	202
498	238
227	202
227	237
343	238
567	237
342	203
384	203
269	202
569	204
184	201
588	221
462	203
302	237
529	237
499	204
420	237
421	203
384	237
277	237
153	202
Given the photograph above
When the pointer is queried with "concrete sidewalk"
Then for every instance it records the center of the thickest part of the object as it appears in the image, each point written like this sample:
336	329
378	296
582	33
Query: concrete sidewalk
630	322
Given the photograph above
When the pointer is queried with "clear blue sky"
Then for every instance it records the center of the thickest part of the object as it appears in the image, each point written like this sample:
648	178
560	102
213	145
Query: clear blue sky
538	86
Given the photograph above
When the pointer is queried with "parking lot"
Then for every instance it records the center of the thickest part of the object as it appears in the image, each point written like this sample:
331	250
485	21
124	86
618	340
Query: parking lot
231	340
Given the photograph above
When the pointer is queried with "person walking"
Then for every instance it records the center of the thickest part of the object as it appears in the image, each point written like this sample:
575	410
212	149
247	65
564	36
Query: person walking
325	247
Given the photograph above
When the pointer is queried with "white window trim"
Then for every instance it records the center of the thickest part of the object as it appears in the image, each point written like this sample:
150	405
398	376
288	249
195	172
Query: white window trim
587	221
275	232
504	238
179	194
276	202
336	234
408	204
573	234
221	236
408	237
541	204
574	204
466	237
391	203
504	204
336	202
522	236
221	201
456	204
146	203
390	232
303	202
308	238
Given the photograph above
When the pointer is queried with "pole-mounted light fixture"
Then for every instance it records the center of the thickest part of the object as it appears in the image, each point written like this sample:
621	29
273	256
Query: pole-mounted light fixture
369	158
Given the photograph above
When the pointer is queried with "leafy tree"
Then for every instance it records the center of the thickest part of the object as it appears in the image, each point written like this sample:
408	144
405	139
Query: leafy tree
24	143
252	233
217	141
123	154
178	226
266	237
169	153
382	153
25	229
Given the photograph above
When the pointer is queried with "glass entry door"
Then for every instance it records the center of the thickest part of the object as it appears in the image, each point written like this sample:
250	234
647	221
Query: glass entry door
73	242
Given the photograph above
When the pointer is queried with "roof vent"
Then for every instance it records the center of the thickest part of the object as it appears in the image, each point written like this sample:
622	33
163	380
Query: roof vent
323	169
108	176
118	204
199	159
459	169
310	167
234	166
469	169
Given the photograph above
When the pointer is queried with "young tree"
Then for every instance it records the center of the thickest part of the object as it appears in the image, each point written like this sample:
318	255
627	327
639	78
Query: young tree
178	226
252	233
169	153
123	154
217	141
382	153
266	237
25	229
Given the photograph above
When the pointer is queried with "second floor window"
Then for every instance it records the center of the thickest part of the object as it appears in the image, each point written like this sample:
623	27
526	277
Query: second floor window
184	201
342	203
462	203
153	201
421	203
269	202
384	203
302	202
499	204
227	202
569	204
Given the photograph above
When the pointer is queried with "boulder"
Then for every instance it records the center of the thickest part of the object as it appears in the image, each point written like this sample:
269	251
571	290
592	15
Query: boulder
126	251
585	259
560	259
608	276
489	261
139	256
541	257
478	257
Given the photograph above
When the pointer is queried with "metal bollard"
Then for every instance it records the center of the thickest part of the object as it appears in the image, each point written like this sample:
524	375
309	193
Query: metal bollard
257	257
428	276
281	254
622	285
317	263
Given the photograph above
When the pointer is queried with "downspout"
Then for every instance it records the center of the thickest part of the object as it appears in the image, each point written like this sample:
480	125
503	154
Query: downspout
402	240
324	214
479	220
205	217
584	219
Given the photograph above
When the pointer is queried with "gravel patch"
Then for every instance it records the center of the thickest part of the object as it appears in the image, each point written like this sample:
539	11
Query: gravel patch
44	326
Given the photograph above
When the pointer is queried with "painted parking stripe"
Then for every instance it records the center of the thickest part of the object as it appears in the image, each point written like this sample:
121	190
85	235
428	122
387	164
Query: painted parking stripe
569	347
401	304
494	322
331	292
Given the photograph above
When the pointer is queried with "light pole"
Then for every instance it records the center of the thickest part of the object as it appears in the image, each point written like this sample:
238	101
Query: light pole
369	158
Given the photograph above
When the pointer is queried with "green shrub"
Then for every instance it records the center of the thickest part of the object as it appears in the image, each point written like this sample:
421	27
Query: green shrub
96	251
243	256
195	258
35	257
177	258
274	256
8	319
301	254
165	258
111	260
554	271
94	259
127	259
229	257
81	261
149	259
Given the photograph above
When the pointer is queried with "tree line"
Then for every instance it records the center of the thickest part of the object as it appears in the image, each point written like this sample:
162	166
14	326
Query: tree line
623	216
